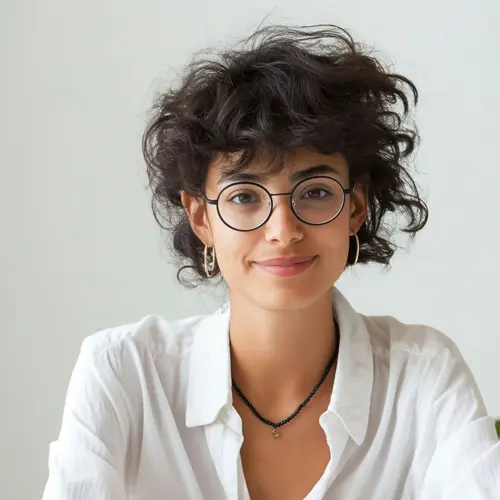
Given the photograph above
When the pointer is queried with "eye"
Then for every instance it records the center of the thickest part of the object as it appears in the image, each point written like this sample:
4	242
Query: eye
316	193
244	198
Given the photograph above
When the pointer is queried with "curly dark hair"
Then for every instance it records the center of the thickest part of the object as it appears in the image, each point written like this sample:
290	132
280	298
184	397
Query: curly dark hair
285	88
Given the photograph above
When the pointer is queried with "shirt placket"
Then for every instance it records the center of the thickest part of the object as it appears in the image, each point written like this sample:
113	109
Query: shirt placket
224	439
232	465
337	439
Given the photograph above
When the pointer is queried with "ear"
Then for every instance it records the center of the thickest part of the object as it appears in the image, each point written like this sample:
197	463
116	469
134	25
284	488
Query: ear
196	211
358	207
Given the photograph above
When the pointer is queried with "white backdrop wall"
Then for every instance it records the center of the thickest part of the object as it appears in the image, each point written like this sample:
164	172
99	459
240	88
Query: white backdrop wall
80	250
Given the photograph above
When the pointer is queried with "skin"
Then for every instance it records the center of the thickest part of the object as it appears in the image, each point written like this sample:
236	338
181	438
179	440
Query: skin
282	332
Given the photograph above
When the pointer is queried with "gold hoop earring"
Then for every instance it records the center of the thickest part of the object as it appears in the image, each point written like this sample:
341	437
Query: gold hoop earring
357	249
209	262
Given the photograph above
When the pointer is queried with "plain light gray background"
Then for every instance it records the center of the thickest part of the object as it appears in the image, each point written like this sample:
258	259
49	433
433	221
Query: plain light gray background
80	250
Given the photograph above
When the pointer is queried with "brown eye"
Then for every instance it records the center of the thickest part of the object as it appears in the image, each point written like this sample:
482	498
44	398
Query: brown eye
244	198
317	193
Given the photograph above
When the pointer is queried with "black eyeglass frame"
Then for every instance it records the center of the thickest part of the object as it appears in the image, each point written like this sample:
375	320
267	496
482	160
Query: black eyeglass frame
345	192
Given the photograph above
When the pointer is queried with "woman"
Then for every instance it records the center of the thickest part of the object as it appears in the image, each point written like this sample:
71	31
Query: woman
276	166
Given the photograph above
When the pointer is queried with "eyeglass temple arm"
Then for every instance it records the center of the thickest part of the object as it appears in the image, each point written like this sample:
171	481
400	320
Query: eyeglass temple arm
208	200
351	189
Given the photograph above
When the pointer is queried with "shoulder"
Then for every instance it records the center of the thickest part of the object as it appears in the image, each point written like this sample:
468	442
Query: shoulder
427	363
127	355
125	363
389	335
422	359
152	334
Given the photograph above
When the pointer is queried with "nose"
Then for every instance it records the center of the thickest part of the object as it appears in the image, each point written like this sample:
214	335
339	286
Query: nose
283	227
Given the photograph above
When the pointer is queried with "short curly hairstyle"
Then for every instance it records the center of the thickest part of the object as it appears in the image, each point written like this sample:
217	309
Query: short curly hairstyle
284	88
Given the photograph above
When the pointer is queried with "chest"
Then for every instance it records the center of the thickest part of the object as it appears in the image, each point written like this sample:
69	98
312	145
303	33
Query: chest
288	466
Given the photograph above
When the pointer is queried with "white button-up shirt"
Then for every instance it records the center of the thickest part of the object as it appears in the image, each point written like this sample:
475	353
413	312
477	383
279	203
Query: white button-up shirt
149	416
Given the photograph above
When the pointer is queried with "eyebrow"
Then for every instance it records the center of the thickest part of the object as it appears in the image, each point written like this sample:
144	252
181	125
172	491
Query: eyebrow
322	169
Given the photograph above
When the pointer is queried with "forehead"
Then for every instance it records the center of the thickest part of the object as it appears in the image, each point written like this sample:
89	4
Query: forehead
230	167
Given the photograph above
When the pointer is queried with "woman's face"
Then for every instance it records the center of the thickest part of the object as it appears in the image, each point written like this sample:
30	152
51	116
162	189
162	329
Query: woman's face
285	264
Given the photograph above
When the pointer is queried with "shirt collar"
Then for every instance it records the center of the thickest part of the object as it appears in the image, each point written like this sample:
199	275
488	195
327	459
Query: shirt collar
353	386
209	385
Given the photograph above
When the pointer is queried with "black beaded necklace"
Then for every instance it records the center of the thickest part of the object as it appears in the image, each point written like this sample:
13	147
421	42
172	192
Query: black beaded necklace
276	425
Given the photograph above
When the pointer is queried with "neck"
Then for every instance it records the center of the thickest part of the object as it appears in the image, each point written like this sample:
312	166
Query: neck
277	357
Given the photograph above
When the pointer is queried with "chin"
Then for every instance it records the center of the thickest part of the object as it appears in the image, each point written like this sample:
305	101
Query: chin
288	295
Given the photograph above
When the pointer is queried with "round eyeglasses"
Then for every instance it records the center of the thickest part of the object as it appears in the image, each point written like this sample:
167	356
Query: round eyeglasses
246	206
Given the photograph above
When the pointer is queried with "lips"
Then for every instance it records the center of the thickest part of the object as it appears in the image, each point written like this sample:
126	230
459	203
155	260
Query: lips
285	261
286	266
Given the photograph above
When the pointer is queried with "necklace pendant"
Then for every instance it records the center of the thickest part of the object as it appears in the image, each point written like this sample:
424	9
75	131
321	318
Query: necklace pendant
276	433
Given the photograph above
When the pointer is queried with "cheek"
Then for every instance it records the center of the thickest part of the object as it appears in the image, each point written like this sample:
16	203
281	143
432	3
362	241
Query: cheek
232	248
332	242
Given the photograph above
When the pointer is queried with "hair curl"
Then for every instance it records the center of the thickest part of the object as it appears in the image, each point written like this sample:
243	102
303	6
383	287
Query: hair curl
287	87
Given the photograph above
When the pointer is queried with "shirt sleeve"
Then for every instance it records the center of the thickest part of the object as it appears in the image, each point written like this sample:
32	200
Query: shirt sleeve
87	462
465	461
